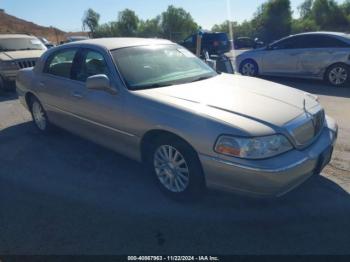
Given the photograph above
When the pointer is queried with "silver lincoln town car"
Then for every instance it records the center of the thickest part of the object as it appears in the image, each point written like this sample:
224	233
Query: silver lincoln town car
155	102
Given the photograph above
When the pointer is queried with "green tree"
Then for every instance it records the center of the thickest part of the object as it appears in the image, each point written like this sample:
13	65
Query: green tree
150	28
177	23
346	8
107	30
245	29
128	23
305	9
304	25
91	21
328	15
273	20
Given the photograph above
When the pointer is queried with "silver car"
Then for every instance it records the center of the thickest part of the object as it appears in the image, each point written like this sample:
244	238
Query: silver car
157	103
317	55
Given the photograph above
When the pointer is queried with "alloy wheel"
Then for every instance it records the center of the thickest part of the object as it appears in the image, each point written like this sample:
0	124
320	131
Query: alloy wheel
248	69
171	169
338	76
39	115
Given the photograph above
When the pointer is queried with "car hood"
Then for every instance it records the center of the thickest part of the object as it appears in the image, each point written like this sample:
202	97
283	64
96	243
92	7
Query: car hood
14	55
256	99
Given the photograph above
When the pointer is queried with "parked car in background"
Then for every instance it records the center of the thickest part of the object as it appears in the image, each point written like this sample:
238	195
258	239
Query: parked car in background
247	43
315	55
17	52
71	39
76	38
157	103
46	42
214	43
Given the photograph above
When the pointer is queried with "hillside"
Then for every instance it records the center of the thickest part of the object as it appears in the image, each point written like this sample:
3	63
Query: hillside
12	24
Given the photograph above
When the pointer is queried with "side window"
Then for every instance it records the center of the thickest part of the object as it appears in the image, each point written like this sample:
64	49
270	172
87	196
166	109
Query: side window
289	43
326	41
305	41
61	63
93	63
318	41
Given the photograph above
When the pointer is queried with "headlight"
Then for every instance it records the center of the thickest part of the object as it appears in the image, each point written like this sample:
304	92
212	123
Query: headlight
8	65
253	148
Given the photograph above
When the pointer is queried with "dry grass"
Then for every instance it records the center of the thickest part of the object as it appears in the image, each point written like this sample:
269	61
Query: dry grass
11	24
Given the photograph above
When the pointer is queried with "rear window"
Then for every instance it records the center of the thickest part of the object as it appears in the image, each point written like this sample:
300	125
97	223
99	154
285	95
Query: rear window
215	37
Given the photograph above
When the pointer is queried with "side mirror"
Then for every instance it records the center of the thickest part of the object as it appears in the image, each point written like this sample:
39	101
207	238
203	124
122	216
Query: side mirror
100	82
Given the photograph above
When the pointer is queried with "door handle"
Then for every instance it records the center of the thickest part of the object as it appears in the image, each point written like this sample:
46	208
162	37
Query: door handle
41	84
77	95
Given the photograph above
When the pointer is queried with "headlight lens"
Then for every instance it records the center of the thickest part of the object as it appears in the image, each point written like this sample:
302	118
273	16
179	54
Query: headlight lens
253	148
8	65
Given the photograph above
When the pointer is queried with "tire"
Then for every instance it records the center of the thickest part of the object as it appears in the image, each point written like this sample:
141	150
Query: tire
176	168
39	115
249	68
338	75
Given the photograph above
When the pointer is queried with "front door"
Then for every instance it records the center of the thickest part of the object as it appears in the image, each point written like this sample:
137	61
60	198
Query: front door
100	114
281	58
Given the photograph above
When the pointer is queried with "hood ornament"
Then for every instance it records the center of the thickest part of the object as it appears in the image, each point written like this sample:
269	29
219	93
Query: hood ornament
307	113
304	107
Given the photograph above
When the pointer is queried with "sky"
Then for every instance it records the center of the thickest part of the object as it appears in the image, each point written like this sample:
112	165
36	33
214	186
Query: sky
67	14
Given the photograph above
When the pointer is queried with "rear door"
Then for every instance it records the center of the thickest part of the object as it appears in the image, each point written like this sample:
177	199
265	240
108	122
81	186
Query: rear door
320	51
56	86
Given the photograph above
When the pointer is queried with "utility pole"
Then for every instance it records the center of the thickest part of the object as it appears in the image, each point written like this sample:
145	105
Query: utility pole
199	43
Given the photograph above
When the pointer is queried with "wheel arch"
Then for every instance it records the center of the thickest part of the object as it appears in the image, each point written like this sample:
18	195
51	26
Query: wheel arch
152	135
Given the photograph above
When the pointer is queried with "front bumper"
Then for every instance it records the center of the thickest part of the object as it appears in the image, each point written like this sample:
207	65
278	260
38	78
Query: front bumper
271	177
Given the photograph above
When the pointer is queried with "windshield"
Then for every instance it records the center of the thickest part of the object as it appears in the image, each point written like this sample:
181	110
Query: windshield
18	44
159	65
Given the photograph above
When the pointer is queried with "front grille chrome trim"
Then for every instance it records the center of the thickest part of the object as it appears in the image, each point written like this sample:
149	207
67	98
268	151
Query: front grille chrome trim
306	128
26	63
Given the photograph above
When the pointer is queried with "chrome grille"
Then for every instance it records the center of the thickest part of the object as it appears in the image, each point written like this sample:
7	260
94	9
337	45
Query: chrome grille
26	63
308	128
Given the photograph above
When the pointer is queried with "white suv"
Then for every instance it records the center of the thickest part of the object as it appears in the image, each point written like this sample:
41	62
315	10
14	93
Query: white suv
17	52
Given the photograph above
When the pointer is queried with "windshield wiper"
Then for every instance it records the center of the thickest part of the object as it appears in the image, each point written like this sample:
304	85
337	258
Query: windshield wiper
156	85
23	49
201	78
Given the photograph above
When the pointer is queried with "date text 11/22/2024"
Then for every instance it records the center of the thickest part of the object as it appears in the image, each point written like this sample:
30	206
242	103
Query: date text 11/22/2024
173	258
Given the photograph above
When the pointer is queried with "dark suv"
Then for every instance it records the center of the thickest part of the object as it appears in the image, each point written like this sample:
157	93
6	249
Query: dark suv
214	43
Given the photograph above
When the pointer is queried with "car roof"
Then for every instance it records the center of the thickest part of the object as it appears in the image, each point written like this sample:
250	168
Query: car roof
7	36
323	33
335	34
120	42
